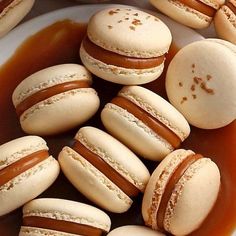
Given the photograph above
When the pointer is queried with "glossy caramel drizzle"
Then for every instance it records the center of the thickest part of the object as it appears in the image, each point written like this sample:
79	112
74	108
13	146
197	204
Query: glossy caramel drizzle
231	7
4	4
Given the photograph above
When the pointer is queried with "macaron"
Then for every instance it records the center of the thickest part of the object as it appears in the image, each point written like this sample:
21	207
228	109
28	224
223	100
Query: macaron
58	217
26	170
103	169
55	99
134	230
145	122
196	14
201	84
125	46
181	192
12	12
225	21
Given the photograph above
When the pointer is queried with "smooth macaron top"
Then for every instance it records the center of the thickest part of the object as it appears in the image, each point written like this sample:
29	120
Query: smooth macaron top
66	210
129	32
16	149
200	83
115	154
49	77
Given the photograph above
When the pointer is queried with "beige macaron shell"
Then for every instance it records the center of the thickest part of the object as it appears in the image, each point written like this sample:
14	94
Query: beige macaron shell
92	183
225	23
13	14
205	111
117	74
182	13
157	183
124	31
134	230
114	153
28	185
14	150
194	196
67	210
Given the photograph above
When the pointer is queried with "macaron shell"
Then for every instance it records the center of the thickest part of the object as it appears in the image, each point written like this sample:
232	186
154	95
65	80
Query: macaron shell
64	111
132	128
117	74
205	111
224	22
134	230
183	14
124	31
28	185
191	205
13	14
92	183
114	153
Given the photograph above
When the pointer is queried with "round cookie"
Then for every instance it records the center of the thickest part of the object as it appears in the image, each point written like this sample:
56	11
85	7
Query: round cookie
125	46
181	192
197	14
26	170
103	169
225	21
200	80
145	122
12	12
55	99
58	217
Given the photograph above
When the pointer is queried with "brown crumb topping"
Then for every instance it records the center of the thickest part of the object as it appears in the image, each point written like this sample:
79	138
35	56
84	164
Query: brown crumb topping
136	22
180	84
132	28
111	12
184	99
109	27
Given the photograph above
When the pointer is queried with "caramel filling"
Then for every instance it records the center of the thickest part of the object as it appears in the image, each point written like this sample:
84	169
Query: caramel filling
174	179
22	165
112	58
128	188
199	6
231	7
61	225
4	4
47	93
153	123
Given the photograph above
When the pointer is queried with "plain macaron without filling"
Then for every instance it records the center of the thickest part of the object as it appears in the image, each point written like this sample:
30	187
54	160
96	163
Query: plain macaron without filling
58	217
125	46
145	122
55	99
103	169
26	170
193	13
181	192
201	83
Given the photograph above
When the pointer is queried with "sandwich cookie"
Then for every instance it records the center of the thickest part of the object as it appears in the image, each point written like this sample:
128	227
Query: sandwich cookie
225	21
145	122
57	217
181	192
125	46
201	83
103	169
197	14
134	230
12	12
26	170
55	99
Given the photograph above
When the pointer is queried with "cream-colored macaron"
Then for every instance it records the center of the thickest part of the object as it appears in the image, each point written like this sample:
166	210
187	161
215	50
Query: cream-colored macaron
201	83
55	99
125	46
58	217
134	230
12	12
26	170
195	13
145	122
225	21
103	169
181	192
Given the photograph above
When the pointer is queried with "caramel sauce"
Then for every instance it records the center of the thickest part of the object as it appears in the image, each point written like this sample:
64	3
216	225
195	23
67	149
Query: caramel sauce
59	44
4	4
